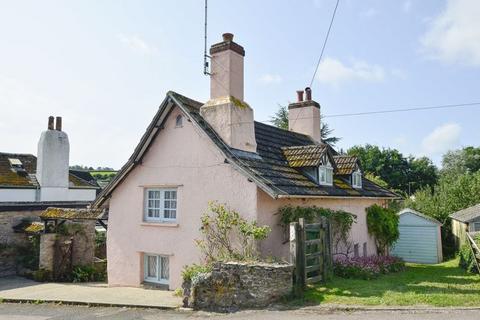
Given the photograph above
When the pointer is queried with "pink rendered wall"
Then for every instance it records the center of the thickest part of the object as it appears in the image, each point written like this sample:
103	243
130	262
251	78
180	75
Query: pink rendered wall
181	157
274	246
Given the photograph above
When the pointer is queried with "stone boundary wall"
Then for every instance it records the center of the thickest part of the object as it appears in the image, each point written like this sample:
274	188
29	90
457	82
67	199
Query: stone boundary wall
232	286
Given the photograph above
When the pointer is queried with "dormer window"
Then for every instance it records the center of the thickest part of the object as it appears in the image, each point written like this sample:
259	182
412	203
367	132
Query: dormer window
16	165
325	175
357	179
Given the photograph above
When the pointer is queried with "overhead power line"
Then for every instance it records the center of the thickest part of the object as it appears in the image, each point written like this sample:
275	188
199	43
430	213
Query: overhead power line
446	106
325	42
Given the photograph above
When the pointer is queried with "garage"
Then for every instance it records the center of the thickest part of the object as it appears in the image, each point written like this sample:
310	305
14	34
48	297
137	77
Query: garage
420	238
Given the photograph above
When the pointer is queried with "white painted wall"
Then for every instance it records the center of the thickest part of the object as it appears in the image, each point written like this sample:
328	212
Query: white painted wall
52	161
63	194
81	194
11	195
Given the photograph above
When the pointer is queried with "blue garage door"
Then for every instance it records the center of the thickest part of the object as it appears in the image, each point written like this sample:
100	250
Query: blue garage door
417	244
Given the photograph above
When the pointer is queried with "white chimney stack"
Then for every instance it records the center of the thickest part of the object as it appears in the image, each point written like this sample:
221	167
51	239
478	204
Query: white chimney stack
53	162
226	110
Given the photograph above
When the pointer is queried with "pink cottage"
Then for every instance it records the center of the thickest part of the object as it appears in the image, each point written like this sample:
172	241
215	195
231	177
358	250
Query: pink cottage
193	153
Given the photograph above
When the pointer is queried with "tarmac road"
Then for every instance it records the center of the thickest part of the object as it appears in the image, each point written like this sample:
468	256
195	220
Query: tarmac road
14	311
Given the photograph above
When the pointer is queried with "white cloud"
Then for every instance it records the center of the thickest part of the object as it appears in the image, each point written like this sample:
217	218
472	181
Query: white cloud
270	78
334	72
454	35
369	13
137	44
407	6
442	139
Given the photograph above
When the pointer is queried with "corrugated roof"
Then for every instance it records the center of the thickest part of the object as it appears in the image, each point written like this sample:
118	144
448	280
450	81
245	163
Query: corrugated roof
268	167
421	215
468	214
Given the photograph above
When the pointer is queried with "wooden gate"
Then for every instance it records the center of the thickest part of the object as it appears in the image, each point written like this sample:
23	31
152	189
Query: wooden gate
310	252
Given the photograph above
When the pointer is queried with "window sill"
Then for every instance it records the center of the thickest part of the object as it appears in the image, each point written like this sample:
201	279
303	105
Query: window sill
159	224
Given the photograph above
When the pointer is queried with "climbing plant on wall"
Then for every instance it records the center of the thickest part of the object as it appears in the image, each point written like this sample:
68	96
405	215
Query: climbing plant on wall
341	222
382	224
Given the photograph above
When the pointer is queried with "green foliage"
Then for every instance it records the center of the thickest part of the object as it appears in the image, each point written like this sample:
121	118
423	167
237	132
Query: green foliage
280	120
42	275
88	273
367	268
189	272
341	221
382	224
467	260
28	255
452	193
228	236
458	162
404	174
100	244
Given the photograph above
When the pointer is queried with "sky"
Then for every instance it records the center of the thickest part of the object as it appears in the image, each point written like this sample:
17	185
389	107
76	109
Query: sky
105	67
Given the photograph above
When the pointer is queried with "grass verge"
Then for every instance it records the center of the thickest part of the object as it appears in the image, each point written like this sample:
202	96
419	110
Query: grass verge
440	285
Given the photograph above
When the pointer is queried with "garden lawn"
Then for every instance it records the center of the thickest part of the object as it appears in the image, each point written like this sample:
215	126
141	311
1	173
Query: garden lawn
440	285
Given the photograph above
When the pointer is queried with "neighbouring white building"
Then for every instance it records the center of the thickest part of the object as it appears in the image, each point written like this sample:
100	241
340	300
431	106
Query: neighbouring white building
47	177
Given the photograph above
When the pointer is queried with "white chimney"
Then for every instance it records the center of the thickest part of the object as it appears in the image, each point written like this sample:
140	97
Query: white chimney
53	162
226	111
304	116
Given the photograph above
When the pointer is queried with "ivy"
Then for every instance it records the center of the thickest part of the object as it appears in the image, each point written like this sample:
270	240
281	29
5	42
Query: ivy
382	224
340	221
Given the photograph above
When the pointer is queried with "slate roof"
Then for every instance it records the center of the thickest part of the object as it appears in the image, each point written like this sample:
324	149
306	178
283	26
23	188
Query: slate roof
268	168
468	214
10	178
346	165
31	227
71	214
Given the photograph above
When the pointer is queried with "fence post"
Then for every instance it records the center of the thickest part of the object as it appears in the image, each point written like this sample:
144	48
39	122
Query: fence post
297	256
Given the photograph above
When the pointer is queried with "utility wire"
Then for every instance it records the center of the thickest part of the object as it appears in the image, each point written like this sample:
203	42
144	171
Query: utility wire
324	43
446	106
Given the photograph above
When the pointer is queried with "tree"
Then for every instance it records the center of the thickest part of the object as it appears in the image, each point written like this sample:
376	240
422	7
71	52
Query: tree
452	193
461	161
400	173
280	120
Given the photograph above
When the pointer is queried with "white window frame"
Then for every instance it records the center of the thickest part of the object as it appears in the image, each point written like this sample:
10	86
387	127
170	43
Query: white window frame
328	174
159	271
357	179
476	226
161	208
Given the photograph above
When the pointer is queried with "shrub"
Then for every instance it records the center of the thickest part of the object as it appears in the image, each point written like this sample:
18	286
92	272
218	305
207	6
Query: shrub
467	260
87	273
228	236
189	272
366	267
42	275
382	224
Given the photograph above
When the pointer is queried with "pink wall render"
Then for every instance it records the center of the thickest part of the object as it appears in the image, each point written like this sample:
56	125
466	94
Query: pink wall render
186	159
276	245
179	157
